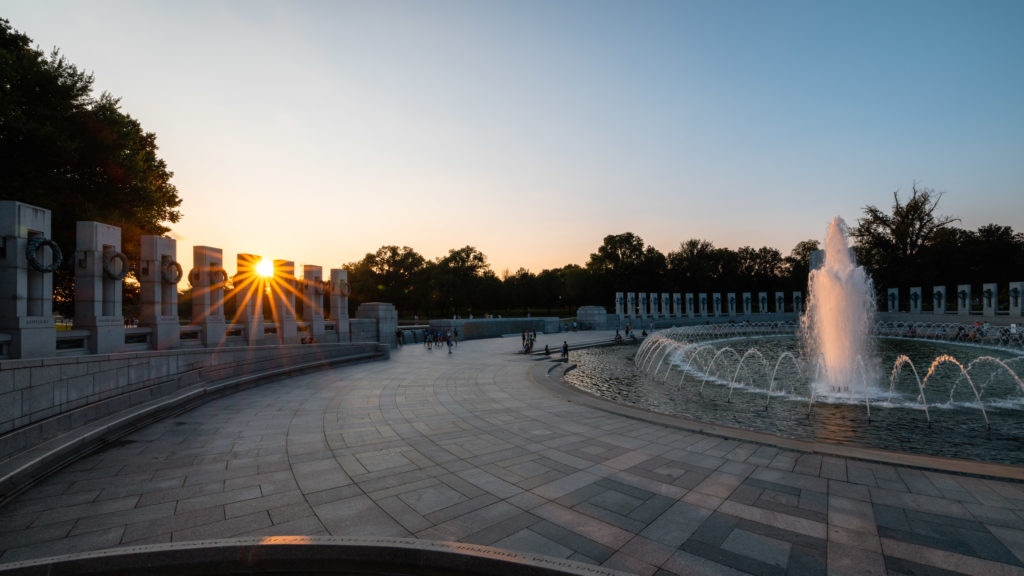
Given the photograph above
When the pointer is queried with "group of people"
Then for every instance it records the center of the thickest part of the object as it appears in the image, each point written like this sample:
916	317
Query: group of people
438	338
529	339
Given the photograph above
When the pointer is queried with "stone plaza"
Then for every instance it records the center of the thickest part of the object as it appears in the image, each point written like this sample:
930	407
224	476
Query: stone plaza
143	450
485	447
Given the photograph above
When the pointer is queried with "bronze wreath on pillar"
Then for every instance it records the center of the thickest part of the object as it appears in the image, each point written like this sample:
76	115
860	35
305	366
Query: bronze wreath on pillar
108	269
171	272
33	246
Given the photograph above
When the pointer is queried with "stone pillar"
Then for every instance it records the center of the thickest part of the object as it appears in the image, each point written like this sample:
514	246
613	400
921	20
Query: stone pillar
339	292
989	298
730	301
780	302
703	305
159	274
963	299
642	301
250	287
915	300
717	308
313	300
282	301
27	259
892	299
762	301
1016	294
386	316
100	268
677	298
798	303
208	278
631	312
939	301
748	304
665	312
689	306
619	305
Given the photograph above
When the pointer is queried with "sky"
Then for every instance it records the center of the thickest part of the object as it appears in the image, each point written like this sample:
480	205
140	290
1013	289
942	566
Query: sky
319	131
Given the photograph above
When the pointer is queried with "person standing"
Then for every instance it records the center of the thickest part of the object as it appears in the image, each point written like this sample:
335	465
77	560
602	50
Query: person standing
565	350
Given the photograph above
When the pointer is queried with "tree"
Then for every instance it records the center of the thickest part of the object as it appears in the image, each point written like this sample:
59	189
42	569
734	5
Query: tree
458	276
695	266
61	147
758	267
798	264
887	244
618	256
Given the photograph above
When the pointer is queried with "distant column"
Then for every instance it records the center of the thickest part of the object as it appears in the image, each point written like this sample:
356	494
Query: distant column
678	311
915	300
339	292
161	273
27	259
100	268
642	301
747	304
703	305
780	302
313	300
939	301
653	298
208	279
689	306
989	298
717	310
762	300
1016	294
282	301
249	292
619	305
893	299
665	312
798	303
963	299
730	301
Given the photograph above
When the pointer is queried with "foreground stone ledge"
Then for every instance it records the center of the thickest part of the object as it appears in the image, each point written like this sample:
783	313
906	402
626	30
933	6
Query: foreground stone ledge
307	555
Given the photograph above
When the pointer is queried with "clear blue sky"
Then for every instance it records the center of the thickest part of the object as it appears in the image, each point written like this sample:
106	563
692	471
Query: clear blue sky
320	131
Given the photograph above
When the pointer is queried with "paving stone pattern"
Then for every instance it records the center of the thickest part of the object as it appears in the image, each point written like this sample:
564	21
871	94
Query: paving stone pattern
467	447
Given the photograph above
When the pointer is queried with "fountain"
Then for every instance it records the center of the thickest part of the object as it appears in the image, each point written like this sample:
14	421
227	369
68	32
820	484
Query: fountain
839	315
952	390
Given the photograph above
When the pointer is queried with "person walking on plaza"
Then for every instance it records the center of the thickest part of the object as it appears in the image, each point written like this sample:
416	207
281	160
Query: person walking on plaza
565	350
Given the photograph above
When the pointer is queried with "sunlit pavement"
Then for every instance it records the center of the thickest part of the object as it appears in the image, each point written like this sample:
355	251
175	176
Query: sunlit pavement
469	447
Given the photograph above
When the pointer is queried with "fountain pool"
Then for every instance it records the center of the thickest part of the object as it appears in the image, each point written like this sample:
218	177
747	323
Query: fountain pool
838	376
751	377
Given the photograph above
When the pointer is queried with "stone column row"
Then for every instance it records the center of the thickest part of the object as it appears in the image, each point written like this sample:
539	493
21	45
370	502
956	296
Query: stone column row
644	305
28	257
959	302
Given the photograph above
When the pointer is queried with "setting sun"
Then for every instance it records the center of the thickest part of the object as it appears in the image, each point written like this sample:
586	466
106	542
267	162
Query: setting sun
265	268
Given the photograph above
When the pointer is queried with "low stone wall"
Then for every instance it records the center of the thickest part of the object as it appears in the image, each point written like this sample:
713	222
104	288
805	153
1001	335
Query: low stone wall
41	399
363	330
493	327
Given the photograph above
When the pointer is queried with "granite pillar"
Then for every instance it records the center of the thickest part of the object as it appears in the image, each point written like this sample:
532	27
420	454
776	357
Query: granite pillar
100	268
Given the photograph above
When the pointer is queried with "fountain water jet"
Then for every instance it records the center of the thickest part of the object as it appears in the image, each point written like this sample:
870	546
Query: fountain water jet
839	315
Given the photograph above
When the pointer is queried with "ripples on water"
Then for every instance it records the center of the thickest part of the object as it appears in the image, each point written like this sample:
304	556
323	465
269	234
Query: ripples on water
956	430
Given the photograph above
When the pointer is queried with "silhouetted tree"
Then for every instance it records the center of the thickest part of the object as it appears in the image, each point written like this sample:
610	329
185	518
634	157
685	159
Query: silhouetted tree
887	243
61	148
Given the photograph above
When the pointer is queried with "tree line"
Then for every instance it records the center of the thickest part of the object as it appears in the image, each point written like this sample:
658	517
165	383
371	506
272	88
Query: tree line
463	284
910	244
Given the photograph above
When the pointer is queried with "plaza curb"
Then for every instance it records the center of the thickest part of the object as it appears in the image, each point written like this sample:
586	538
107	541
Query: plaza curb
308	555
